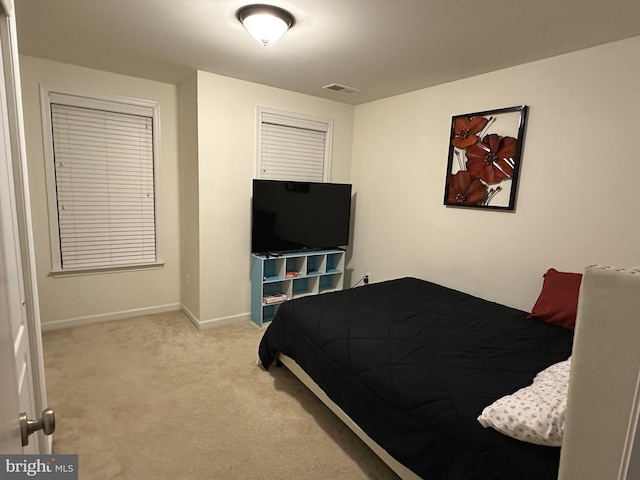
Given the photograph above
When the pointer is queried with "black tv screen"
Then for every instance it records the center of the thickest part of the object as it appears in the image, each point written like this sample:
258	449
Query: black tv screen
289	216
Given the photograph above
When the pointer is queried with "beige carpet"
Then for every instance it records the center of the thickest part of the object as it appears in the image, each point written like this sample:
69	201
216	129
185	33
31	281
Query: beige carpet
154	398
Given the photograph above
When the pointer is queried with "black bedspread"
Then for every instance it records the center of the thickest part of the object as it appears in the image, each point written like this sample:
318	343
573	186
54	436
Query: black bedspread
414	363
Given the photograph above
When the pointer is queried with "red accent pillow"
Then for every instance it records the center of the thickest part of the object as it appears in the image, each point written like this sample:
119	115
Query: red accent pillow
558	300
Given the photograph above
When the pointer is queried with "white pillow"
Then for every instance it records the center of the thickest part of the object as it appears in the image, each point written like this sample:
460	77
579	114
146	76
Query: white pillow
536	413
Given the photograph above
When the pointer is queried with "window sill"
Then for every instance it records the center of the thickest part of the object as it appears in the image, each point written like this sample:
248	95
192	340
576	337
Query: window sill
71	272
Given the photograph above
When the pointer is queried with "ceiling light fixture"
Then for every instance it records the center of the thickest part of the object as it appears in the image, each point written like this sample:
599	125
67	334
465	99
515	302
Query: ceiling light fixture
265	23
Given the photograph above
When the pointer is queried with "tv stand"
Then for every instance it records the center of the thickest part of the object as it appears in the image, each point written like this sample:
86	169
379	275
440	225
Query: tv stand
294	274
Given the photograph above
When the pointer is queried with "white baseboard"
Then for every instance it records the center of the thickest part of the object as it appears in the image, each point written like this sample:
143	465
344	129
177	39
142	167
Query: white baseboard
190	316
75	322
216	322
200	324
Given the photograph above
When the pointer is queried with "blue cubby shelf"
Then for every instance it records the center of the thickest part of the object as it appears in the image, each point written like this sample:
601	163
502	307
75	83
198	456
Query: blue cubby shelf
294	274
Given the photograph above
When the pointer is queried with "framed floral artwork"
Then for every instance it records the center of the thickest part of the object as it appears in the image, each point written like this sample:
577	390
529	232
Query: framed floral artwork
484	158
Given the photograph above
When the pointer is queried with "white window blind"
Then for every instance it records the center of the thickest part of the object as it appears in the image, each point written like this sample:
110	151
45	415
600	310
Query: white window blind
293	148
104	182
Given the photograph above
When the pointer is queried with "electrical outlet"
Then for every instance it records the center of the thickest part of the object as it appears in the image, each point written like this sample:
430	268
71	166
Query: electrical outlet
367	277
187	279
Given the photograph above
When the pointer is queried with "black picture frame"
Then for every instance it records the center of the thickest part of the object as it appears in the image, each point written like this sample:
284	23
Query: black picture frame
487	148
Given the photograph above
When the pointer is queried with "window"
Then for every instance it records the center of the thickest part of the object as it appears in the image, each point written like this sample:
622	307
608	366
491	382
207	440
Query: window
101	183
293	147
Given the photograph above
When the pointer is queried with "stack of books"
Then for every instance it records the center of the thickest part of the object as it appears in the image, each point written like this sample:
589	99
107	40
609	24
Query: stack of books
272	298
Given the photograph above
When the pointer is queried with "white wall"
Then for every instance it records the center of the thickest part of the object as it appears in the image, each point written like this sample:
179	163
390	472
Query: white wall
578	195
189	197
204	201
226	164
69	300
576	200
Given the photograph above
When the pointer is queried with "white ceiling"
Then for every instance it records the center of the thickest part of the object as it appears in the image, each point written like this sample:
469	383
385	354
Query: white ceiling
382	47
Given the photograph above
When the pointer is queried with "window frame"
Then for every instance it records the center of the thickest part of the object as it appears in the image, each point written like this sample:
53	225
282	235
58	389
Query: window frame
119	104
328	146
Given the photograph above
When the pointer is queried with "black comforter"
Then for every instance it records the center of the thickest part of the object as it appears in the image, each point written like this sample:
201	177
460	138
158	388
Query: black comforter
414	363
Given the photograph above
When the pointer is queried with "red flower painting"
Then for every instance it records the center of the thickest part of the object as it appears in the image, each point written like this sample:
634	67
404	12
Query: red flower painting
491	159
484	158
465	130
465	189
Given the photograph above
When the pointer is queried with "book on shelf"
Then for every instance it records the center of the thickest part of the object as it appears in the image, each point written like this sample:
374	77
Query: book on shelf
274	298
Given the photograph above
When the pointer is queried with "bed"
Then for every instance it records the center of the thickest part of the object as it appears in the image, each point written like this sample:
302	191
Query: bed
411	365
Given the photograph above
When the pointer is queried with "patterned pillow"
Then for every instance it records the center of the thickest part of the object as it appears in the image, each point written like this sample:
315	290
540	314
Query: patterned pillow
536	413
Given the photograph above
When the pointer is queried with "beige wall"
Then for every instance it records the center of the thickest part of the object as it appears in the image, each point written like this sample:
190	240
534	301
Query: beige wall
68	300
576	201
189	197
204	201
226	165
578	195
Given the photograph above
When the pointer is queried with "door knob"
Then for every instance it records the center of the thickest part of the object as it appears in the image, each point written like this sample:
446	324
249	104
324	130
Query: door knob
46	423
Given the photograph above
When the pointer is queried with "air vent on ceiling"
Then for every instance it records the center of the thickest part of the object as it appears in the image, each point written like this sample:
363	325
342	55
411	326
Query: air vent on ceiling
336	87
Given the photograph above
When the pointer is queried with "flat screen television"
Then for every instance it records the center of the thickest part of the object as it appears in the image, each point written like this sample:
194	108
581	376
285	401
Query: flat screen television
289	216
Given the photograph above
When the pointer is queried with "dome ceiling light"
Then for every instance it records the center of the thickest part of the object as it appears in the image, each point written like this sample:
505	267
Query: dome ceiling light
265	23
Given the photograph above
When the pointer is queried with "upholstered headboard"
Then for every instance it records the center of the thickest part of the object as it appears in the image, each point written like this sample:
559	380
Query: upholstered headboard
602	400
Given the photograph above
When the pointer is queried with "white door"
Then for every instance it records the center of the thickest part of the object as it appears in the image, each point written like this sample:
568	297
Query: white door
10	438
9	428
21	391
630	466
634	461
